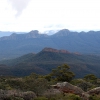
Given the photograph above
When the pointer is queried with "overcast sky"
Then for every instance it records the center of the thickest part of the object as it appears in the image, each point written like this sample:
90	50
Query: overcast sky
27	15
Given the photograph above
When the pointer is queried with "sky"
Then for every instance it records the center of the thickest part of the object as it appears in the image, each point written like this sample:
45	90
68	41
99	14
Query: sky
43	15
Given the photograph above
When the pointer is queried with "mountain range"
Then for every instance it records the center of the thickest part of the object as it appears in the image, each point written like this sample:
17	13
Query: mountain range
49	58
16	45
8	33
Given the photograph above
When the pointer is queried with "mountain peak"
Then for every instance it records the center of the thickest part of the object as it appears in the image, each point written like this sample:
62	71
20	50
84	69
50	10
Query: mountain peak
13	34
55	50
34	32
63	32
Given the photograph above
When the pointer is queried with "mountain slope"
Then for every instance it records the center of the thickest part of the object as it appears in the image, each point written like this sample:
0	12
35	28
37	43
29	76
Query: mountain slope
16	45
49	58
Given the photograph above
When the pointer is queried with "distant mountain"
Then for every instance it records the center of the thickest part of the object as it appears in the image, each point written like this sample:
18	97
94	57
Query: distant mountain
5	33
64	32
16	45
8	33
49	58
15	36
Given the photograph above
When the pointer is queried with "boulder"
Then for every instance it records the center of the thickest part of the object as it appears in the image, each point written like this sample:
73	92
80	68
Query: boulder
94	91
66	87
4	94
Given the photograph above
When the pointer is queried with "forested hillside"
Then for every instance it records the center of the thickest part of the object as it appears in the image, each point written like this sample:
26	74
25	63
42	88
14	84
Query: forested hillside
16	45
49	58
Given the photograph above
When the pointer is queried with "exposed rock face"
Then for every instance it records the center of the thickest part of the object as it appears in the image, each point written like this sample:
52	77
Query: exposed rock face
4	94
55	50
51	92
94	91
68	88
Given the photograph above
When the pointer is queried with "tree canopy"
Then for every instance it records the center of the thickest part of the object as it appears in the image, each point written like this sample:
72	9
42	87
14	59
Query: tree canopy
61	73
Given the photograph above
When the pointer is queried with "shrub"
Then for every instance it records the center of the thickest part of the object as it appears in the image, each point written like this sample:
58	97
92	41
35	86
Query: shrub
41	98
13	98
94	98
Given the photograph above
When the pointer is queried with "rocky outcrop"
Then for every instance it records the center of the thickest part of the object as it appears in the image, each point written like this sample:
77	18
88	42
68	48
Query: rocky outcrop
66	87
4	94
51	92
55	50
94	91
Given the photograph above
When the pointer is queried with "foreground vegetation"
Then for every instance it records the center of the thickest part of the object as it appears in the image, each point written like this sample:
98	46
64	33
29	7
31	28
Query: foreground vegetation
39	87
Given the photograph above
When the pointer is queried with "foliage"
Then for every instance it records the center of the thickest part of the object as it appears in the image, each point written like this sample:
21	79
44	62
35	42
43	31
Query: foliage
16	83
14	98
41	98
94	97
33	76
90	78
61	73
36	83
64	97
40	84
73	97
84	85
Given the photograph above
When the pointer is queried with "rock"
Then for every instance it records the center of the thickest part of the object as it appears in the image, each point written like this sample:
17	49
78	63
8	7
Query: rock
4	94
94	91
66	87
51	91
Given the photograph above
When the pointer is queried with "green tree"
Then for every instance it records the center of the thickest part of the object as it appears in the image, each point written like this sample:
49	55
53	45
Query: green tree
90	78
84	85
36	83
61	73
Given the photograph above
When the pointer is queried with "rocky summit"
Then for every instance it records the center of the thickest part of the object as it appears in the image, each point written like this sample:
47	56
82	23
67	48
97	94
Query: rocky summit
55	50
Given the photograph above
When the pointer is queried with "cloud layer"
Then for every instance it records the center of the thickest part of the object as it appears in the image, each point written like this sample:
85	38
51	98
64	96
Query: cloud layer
26	15
19	5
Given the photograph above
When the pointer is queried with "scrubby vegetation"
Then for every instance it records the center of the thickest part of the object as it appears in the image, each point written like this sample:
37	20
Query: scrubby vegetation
39	87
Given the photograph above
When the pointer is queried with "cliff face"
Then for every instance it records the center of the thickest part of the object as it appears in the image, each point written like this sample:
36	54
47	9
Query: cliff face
55	50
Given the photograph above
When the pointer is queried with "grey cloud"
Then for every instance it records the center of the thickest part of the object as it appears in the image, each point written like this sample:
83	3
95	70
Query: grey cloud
19	5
